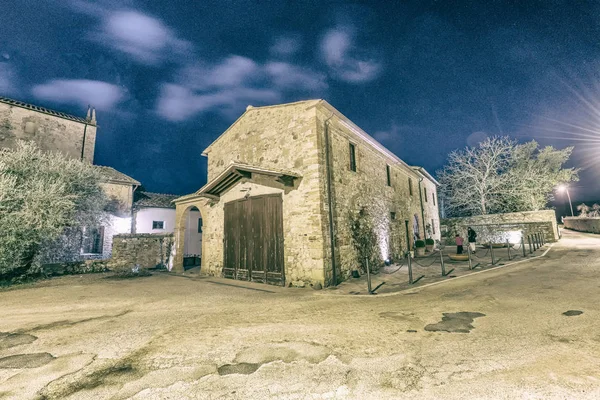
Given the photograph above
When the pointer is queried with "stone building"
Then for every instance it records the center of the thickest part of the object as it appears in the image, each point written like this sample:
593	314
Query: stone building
51	130
74	137
284	184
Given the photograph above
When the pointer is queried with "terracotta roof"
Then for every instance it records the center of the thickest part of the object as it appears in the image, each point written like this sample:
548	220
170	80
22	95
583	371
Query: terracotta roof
149	199
115	176
44	110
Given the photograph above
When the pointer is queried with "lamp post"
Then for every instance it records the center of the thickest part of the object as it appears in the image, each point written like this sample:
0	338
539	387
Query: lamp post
565	188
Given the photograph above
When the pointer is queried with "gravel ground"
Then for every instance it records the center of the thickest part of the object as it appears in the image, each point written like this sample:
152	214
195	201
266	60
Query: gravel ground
502	334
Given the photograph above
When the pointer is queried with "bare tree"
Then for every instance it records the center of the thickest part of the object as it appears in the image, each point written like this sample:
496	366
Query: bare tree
583	209
500	175
471	181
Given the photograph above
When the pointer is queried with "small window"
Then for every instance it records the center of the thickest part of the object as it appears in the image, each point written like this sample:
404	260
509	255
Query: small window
392	215
433	197
199	225
93	240
425	191
432	226
352	158
158	224
410	186
389	175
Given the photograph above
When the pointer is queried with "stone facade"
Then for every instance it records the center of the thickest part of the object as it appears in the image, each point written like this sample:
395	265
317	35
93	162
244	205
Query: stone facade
582	224
291	137
50	130
73	137
146	250
497	227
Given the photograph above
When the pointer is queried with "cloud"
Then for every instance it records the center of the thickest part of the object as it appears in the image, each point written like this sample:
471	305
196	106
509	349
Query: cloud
101	95
8	79
339	53
230	85
286	46
178	103
285	75
391	134
145	38
231	72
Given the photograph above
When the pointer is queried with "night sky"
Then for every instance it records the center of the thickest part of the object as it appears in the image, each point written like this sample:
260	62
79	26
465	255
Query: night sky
423	77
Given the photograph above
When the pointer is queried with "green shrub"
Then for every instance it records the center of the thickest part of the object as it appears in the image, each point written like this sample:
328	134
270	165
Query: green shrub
429	242
420	243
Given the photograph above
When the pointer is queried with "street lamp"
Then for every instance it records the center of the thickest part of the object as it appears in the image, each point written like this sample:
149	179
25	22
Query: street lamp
565	188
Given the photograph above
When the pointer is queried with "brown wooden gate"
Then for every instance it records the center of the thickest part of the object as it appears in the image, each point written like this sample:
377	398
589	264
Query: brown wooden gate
253	243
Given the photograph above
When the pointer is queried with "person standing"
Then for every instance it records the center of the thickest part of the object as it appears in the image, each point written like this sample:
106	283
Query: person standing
472	237
459	244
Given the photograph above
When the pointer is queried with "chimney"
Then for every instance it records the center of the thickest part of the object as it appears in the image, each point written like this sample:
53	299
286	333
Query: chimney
88	117
93	120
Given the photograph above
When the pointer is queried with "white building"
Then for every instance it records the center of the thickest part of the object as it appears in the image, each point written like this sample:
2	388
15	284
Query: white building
155	213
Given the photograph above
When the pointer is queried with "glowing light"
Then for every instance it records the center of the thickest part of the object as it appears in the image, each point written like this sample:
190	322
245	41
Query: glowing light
514	237
383	236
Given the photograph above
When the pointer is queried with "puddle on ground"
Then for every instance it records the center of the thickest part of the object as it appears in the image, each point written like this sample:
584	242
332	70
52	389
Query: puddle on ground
9	339
241	368
572	313
33	360
459	322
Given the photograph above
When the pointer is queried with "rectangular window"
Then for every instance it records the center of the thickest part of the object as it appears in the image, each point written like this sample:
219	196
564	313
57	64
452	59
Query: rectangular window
158	224
93	240
389	175
425	191
410	186
352	158
392	215
432	226
433	197
199	225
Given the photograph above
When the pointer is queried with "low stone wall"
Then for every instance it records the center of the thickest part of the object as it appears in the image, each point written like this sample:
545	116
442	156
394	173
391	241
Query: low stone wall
591	225
145	249
500	227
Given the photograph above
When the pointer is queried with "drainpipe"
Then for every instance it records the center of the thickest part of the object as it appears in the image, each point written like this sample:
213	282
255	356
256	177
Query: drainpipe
330	201
422	208
83	143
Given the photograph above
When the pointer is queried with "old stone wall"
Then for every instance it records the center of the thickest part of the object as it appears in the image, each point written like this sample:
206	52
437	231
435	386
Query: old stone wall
499	227
392	207
121	197
147	250
49	132
280	138
591	225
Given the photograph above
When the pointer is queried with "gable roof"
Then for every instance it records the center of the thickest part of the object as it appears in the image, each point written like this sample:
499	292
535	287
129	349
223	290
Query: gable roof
249	109
343	119
44	110
236	171
153	200
114	176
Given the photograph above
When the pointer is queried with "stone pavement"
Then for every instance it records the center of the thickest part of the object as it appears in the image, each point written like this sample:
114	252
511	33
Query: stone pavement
524	331
428	270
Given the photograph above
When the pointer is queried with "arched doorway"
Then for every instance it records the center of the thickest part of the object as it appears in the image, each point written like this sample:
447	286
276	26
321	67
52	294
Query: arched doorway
192	237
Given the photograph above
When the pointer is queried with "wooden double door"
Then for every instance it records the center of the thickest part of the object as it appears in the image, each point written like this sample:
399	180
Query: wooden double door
253	240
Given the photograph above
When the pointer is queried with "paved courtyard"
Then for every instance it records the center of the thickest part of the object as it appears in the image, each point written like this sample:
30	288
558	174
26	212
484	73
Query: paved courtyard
502	334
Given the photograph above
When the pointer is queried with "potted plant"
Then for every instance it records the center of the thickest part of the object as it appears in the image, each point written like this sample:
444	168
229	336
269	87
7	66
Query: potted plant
429	244
420	247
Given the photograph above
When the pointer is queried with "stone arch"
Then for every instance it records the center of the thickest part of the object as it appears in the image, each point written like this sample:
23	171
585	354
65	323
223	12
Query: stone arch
186	234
